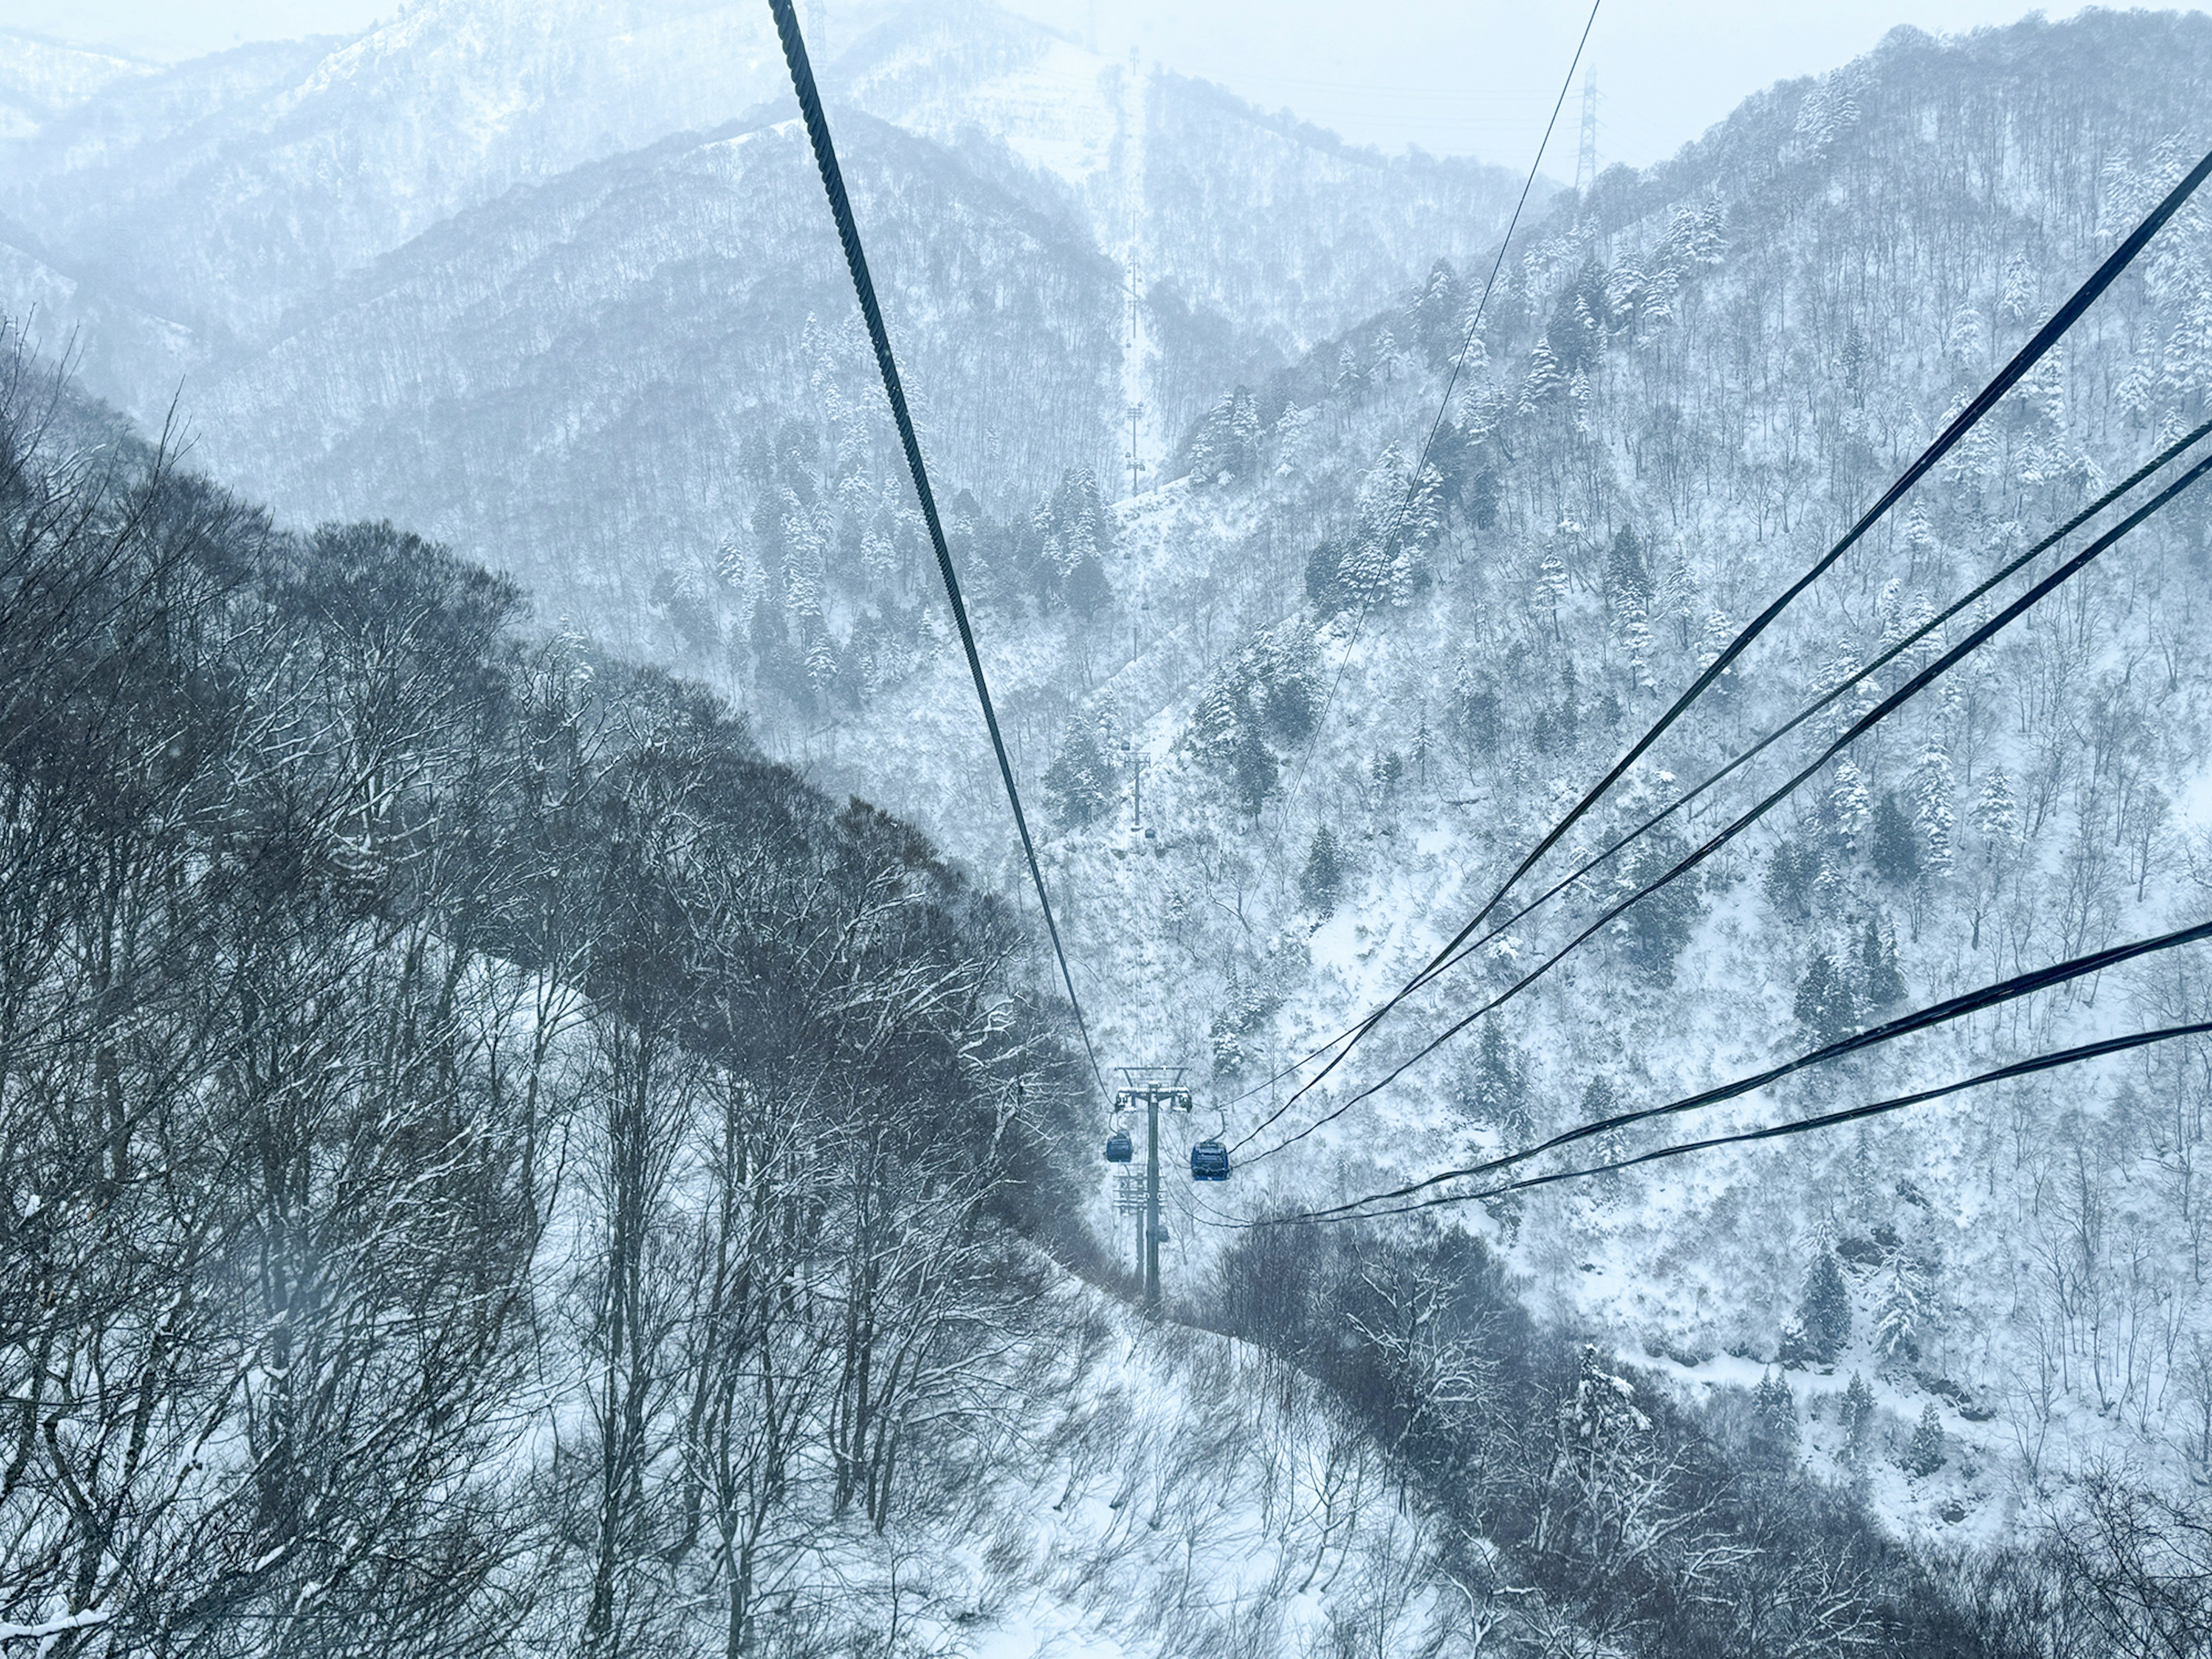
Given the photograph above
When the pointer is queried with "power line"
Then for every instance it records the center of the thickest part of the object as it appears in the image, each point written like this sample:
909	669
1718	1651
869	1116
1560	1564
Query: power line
2048	336
1412	485
1774	1131
1866	723
864	289
1922	1019
1443	406
1712	779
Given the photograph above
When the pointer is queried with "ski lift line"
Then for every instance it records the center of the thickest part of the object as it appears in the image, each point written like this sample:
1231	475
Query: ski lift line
2044	1062
1921	1019
1889	705
864	289
2049	335
2025	359
2012	568
1443	407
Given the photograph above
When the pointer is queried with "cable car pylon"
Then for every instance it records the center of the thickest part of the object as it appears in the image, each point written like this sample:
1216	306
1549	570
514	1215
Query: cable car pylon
1150	1087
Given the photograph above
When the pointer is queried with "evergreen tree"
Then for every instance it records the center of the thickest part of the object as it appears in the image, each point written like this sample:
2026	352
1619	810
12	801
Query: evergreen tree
1087	591
1774	1433
1494	1092
1386	771
1322	881
1858	1419
1892	847
1882	985
1325	577
1081	783
1932	814
1627	579
1825	1006
1849	805
1653	932
1224	444
1924	1454
1996	814
1789	884
1825	1314
1898	1320
1545	381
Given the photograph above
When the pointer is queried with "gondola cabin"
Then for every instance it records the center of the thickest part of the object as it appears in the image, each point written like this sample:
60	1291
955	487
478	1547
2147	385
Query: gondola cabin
1119	1147
1209	1161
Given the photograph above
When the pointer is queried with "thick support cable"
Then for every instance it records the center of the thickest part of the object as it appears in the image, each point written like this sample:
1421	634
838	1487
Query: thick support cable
1920	1019
1712	779
1965	602
2024	360
864	289
1880	712
2046	1062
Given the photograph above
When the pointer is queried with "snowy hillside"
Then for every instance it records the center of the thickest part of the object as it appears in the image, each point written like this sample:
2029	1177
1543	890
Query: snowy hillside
1686	392
226	197
41	80
553	1093
557	1183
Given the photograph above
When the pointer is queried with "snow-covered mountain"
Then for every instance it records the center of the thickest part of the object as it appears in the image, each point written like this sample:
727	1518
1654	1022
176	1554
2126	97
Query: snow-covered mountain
42	80
401	274
626	372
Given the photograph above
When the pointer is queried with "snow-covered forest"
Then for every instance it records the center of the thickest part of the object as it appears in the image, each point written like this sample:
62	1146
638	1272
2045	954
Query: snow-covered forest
536	1113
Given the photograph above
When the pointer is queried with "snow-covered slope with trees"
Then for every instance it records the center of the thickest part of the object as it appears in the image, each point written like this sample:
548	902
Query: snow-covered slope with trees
1692	383
1846	1359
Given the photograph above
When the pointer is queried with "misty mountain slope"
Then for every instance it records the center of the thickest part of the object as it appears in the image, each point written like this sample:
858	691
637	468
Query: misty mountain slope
1728	358
257	177
42	79
1250	234
319	251
566	377
232	189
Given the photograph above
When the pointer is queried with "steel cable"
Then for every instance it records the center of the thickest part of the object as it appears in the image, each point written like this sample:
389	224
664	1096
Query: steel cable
864	289
1900	647
1866	723
2025	359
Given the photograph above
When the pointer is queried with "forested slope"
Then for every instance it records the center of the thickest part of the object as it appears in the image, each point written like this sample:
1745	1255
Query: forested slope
1688	386
493	1164
447	1083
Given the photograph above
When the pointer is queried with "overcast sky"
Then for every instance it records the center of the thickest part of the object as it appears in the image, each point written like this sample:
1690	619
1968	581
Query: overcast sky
1474	77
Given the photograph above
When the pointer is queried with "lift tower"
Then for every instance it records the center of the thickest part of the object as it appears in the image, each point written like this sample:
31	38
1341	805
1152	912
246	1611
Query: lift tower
1151	1087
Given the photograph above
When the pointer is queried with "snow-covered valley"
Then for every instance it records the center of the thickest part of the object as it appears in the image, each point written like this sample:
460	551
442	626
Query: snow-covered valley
787	1193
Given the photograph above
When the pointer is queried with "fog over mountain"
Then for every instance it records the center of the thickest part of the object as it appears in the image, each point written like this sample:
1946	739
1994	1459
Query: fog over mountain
537	1110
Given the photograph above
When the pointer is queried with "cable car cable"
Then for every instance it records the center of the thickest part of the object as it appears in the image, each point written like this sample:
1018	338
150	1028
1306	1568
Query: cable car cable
2010	569
2043	1062
1866	723
1920	1019
2025	359
864	289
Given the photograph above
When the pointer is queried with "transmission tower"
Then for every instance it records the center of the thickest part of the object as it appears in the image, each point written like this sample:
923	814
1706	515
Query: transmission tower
1586	161
1132	322
818	29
